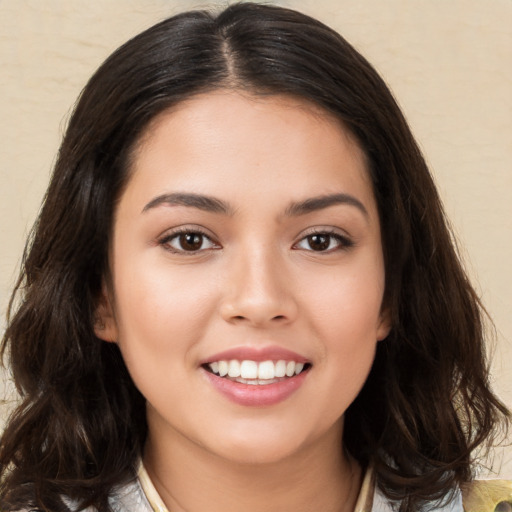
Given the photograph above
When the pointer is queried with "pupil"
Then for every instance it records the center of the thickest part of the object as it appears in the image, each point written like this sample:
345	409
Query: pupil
191	241
318	242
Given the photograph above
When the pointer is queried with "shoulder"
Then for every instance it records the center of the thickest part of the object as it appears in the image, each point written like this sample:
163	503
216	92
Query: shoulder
124	498
452	503
130	497
476	496
372	499
487	496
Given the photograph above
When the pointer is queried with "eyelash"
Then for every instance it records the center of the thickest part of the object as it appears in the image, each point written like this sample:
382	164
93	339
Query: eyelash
168	238
343	242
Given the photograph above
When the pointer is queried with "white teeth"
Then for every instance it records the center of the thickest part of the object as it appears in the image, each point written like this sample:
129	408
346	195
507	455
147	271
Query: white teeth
234	368
280	370
249	370
252	372
223	368
290	368
266	370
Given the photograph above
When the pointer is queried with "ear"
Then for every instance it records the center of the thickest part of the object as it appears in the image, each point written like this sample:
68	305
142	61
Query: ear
384	325
105	325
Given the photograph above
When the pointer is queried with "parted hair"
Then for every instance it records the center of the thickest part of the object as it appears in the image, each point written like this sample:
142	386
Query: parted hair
80	426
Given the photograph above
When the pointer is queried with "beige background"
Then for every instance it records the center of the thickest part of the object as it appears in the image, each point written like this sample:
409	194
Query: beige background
449	63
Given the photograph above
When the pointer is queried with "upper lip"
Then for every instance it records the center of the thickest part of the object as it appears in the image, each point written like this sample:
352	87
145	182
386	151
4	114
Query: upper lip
266	353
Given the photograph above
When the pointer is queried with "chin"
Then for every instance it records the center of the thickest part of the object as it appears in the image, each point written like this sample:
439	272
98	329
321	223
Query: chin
267	454
259	447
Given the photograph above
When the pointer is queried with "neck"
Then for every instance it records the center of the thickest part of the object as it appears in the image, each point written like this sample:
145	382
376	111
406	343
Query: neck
191	479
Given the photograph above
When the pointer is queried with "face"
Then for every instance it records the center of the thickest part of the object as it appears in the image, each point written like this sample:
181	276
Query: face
247	275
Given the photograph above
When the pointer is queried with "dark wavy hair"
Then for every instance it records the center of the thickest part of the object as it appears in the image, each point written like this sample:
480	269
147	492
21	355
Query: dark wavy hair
80	426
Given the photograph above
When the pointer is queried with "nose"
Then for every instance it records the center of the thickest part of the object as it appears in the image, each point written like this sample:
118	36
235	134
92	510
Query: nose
259	291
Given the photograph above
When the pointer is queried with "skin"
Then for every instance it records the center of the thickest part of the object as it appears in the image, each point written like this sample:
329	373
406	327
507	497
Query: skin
255	281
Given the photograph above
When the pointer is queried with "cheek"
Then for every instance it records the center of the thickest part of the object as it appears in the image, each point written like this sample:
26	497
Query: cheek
345	315
347	327
161	314
159	323
347	305
152	294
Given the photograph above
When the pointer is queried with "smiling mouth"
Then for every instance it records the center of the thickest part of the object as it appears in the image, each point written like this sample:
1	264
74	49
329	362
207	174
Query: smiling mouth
256	373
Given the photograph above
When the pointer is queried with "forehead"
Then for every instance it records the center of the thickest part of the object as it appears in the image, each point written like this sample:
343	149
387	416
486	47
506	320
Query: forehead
224	141
201	111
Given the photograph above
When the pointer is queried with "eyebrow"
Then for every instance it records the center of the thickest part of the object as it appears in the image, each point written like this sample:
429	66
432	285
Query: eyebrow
206	203
313	204
214	205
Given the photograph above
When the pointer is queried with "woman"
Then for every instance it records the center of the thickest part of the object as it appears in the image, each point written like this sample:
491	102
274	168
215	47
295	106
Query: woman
241	292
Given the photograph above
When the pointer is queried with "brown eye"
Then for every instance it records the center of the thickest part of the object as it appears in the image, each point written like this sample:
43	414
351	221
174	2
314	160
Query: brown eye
319	242
190	241
187	242
324	242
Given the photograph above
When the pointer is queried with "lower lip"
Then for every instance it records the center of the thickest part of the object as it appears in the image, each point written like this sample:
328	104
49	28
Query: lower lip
256	395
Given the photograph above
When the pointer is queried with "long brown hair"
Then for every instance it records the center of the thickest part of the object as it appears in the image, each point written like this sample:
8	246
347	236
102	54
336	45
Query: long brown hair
80	427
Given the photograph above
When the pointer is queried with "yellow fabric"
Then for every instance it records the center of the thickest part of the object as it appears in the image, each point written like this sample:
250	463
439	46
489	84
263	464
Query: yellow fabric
487	496
365	498
151	493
